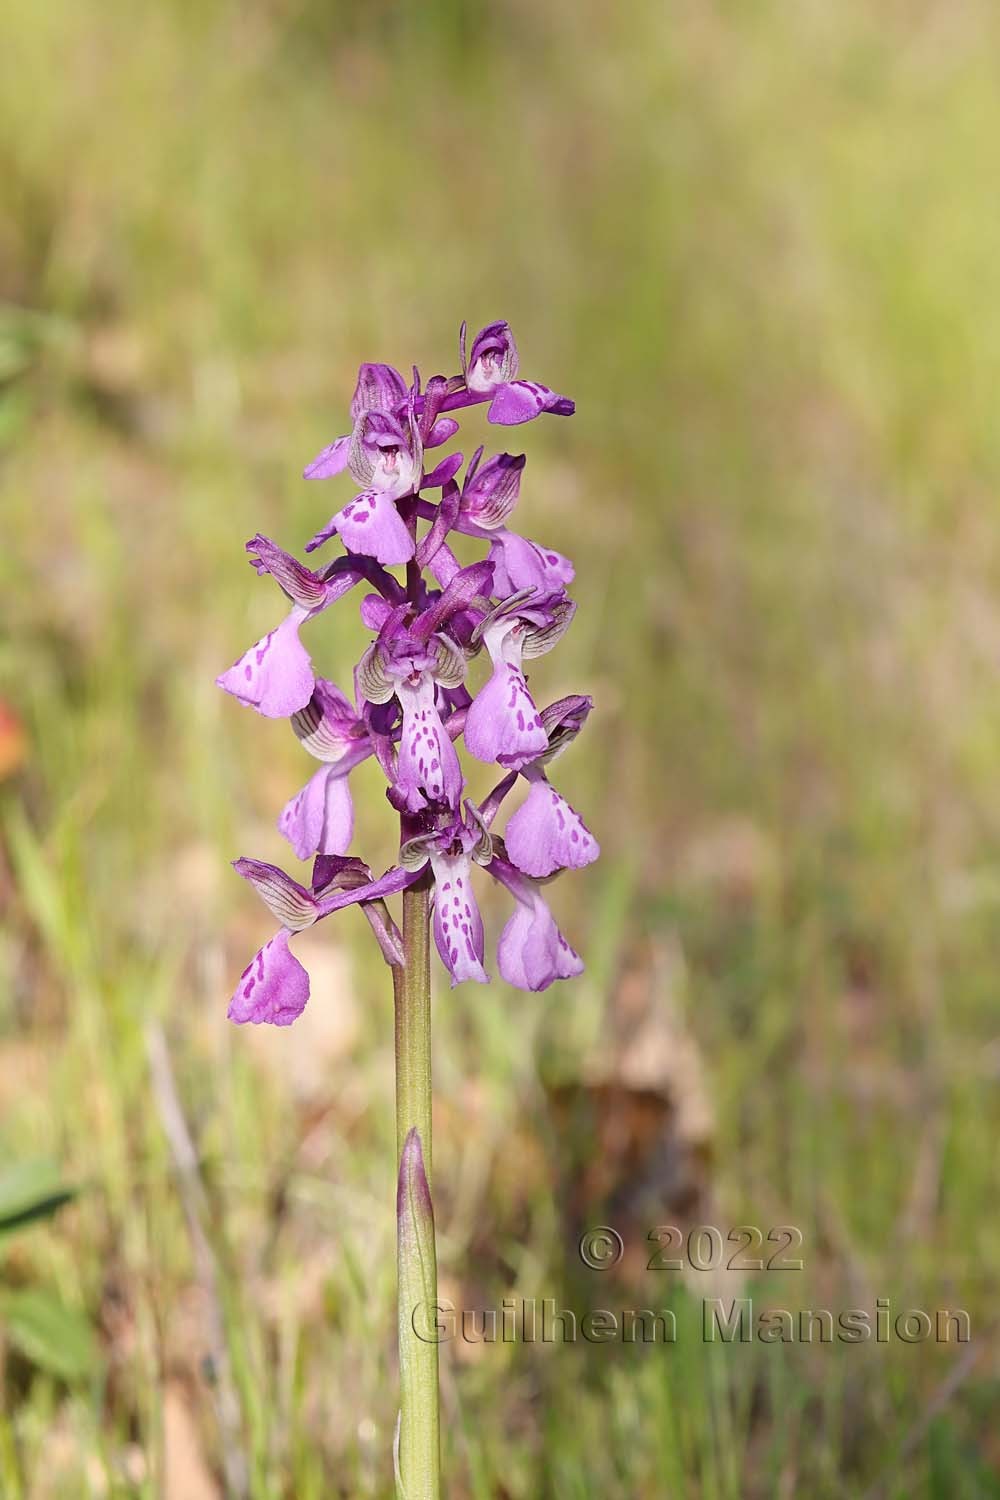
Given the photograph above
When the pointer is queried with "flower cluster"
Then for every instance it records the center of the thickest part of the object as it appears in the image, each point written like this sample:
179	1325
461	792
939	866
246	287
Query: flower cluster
412	696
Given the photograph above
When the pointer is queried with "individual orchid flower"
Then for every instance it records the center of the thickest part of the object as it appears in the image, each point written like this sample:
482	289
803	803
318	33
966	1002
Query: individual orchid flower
379	387
385	455
488	498
489	375
490	492
416	661
458	926
503	724
546	834
275	676
320	818
401	664
274	987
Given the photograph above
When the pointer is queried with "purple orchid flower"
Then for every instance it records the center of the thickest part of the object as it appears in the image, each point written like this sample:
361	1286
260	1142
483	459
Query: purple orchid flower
380	388
402	665
488	498
459	934
275	676
489	375
274	986
416	698
546	834
386	455
503	724
320	818
532	952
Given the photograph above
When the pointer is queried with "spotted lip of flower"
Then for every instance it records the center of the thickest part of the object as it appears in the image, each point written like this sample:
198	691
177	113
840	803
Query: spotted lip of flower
274	987
319	819
411	669
531	953
489	496
458	926
489	374
275	676
546	834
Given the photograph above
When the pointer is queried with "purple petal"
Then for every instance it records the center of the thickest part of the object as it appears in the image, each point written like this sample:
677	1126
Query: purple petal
379	386
302	586
491	493
521	400
503	724
546	834
464	585
458	925
374	612
492	358
532	952
333	460
294	906
443	431
274	987
445	516
275	676
371	525
520	564
446	469
320	818
428	767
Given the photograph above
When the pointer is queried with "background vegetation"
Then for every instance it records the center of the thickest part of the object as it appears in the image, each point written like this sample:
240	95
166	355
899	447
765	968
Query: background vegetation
759	244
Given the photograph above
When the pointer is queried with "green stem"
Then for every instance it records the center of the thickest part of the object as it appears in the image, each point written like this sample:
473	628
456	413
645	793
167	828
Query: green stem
418	1469
413	1024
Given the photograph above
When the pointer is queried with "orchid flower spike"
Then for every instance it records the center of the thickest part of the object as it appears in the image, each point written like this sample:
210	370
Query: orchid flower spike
445	667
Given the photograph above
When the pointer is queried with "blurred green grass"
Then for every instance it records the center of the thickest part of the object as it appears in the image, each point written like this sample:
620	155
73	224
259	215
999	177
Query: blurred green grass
758	244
